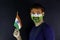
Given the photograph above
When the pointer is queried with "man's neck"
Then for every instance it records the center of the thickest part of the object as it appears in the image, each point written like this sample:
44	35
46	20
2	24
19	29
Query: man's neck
37	24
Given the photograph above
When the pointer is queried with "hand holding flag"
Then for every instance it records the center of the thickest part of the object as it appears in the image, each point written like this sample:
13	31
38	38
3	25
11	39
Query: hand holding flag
17	35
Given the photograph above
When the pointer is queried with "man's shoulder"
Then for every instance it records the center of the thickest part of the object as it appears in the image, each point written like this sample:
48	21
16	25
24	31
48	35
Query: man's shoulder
46	26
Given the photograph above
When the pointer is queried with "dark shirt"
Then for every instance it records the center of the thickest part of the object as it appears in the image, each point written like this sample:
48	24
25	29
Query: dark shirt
42	32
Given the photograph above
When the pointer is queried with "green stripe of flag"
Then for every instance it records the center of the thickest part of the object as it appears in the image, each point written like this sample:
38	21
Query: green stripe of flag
16	25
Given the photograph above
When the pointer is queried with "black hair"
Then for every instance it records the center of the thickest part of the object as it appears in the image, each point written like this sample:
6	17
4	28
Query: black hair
36	5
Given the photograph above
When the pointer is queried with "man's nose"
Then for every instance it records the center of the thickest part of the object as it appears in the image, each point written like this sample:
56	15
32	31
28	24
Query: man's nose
36	15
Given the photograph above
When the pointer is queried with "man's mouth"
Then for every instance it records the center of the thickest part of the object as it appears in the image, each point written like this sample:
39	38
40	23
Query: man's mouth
35	18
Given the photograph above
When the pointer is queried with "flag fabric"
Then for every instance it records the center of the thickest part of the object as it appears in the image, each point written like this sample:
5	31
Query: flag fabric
17	22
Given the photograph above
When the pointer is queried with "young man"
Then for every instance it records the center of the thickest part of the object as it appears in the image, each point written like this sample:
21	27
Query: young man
41	30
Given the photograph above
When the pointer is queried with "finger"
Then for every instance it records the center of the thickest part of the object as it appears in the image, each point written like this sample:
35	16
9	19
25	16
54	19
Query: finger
14	32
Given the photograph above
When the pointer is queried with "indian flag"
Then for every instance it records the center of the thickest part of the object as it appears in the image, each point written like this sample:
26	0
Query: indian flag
17	22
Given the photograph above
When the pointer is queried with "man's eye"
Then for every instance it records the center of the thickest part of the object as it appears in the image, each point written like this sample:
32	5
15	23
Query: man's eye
32	13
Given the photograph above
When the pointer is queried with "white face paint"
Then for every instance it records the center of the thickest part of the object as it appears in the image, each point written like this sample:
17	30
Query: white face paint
36	15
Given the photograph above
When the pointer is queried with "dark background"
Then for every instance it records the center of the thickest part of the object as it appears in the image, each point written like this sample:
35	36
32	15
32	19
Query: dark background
8	10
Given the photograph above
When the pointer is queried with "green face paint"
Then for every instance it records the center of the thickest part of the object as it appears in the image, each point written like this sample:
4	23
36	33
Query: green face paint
36	17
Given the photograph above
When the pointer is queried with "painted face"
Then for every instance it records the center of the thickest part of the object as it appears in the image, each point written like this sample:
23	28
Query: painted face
36	15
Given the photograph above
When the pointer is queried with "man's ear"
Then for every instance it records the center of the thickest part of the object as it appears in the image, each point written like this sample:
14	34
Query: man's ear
43	13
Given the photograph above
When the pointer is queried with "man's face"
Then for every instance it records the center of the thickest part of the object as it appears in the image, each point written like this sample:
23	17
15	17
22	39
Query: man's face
37	15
